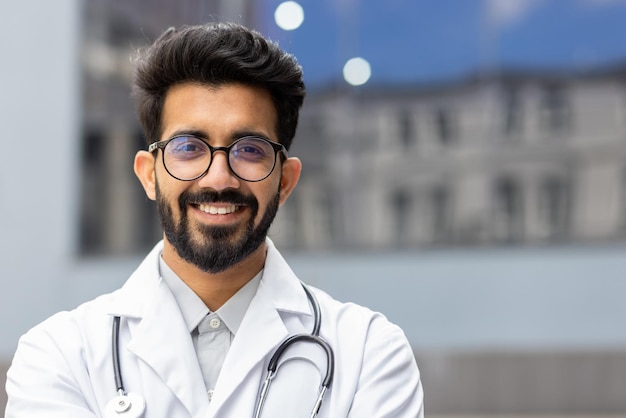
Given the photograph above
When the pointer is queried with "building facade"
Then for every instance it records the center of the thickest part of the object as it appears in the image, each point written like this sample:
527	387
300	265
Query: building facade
505	159
512	158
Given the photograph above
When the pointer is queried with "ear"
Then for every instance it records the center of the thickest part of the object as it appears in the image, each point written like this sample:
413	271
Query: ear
144	170
292	167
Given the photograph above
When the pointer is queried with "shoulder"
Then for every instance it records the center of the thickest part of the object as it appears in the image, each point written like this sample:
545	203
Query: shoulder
67	331
349	316
378	371
58	361
88	321
365	336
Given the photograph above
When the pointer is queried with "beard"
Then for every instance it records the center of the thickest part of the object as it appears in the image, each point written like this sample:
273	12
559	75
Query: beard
216	247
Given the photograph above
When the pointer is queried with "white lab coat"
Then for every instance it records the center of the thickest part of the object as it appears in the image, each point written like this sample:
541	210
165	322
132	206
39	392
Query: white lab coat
63	366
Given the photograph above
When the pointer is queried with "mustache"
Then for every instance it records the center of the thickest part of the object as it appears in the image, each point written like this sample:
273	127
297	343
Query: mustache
211	196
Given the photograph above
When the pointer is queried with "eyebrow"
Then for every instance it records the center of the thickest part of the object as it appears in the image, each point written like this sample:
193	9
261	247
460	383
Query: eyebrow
250	132
190	132
233	137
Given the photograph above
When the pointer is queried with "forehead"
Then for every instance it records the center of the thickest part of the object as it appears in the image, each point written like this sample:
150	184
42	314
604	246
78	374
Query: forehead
219	112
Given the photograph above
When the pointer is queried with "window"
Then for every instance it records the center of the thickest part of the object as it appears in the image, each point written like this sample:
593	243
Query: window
113	203
328	231
92	197
507	217
402	206
556	112
406	128
440	207
554	207
513	111
444	126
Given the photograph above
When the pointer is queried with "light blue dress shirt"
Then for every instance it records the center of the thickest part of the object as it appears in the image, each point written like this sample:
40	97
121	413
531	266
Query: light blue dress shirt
211	332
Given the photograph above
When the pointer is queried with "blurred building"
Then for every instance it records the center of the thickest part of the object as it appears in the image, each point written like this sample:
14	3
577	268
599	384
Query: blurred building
521	158
509	158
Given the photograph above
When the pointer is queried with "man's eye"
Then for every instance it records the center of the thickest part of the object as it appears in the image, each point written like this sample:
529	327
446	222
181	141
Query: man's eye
186	147
250	150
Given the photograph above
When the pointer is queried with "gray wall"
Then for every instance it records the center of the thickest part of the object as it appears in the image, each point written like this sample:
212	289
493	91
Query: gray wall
39	114
510	298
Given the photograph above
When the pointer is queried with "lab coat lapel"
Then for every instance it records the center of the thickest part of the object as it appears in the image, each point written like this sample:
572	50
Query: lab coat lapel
160	337
260	332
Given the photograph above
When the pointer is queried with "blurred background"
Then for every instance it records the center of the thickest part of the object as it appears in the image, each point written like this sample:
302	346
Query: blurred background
464	173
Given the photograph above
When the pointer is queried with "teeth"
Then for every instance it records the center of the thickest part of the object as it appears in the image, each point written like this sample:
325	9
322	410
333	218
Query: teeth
214	210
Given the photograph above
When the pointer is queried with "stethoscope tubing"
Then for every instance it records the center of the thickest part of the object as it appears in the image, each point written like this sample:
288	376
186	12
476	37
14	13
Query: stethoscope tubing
314	338
117	372
130	405
315	305
330	364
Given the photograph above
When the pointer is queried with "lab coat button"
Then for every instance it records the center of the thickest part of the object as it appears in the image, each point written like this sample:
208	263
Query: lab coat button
215	323
210	394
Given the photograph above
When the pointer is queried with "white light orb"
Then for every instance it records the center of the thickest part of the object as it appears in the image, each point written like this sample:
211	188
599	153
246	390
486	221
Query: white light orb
289	15
357	71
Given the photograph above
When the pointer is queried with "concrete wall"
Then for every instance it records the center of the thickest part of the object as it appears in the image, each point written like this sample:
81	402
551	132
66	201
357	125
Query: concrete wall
532	382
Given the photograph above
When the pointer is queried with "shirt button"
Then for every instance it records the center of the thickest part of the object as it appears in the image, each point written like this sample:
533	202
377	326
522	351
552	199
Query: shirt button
210	394
215	323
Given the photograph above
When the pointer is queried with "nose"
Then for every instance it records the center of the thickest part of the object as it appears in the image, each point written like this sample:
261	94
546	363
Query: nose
219	176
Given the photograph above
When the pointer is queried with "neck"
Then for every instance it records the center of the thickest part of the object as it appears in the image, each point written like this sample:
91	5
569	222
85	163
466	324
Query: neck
215	288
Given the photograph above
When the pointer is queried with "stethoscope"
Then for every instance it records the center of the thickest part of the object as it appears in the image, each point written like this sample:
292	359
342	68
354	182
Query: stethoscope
132	405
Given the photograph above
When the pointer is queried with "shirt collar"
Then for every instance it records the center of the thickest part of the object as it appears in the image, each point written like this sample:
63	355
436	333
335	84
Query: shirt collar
233	311
194	310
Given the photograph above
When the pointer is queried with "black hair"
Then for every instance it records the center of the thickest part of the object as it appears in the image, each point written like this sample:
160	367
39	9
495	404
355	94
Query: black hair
216	54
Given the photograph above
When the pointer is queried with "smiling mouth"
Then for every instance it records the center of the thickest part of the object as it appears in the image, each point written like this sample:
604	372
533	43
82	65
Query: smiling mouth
217	210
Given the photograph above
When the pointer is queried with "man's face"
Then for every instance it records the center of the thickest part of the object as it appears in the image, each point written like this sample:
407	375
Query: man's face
218	220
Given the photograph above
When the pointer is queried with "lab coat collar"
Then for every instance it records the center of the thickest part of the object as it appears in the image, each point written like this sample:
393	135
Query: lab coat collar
131	299
145	296
280	281
261	331
282	285
157	330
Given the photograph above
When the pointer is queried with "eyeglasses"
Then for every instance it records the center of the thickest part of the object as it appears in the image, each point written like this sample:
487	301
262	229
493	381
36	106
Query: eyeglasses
250	158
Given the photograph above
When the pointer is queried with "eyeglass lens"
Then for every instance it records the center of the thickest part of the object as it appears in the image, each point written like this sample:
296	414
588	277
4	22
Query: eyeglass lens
250	158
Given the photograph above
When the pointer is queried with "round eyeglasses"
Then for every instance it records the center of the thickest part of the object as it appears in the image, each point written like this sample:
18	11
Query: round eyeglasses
250	158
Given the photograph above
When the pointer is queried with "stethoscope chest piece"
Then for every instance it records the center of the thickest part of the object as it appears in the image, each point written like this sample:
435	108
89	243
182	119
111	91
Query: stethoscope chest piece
130	405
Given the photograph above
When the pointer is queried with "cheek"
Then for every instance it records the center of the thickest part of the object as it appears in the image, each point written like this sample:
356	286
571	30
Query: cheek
167	194
265	196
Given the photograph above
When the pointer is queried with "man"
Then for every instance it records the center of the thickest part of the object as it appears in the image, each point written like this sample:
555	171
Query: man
194	330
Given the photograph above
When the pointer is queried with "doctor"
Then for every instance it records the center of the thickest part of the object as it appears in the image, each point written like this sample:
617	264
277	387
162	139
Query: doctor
194	330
